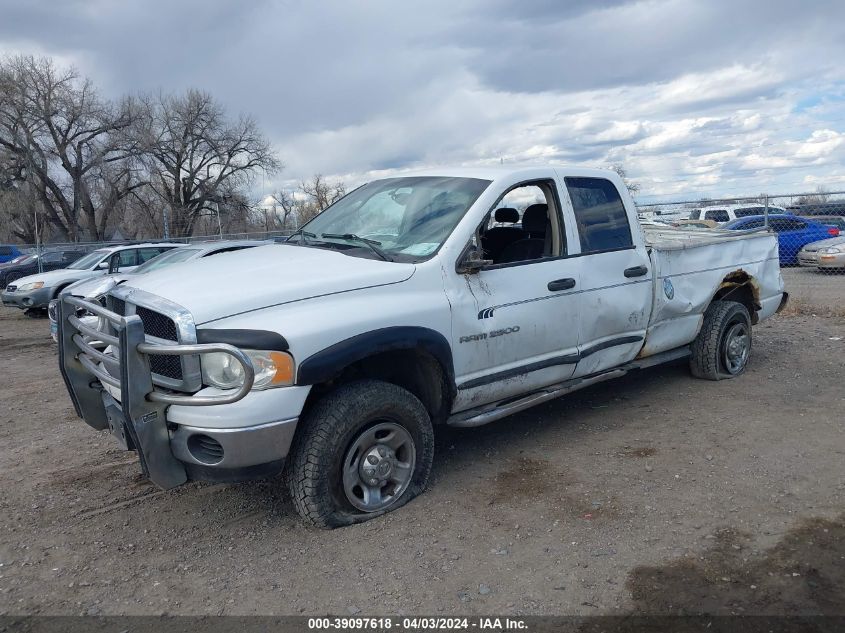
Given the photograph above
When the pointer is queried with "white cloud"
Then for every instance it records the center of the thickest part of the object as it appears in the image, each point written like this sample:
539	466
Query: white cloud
693	97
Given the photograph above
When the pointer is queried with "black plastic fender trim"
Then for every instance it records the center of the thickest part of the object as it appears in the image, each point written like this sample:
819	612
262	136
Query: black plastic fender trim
328	363
245	339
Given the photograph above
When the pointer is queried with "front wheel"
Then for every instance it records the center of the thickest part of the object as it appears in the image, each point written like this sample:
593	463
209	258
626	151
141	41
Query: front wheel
723	346
363	450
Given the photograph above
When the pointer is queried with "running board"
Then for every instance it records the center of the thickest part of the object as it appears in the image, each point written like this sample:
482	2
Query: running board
491	412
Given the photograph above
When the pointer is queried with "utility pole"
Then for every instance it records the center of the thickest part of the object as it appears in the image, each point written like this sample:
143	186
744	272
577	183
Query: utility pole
37	241
166	224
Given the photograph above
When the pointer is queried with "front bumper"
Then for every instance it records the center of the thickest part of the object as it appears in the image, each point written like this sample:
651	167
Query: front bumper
27	299
136	409
831	260
808	259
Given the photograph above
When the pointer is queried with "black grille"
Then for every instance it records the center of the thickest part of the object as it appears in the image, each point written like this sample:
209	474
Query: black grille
167	366
156	324
119	306
160	326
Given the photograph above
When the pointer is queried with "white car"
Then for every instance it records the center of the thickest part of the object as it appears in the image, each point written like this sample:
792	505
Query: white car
722	214
35	291
95	288
336	355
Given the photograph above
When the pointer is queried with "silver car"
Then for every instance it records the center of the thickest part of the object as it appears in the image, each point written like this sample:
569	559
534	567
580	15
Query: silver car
98	287
828	253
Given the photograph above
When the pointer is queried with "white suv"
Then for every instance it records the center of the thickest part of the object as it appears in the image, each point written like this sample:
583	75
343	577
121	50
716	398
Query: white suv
727	213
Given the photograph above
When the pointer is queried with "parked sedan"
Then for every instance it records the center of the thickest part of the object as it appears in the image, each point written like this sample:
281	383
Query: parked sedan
33	293
793	232
808	256
832	256
97	287
29	264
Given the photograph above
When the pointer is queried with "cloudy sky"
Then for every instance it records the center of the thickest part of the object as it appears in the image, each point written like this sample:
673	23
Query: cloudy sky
693	97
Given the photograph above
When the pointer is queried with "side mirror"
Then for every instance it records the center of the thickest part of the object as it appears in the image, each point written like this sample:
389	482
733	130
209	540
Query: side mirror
472	262
103	265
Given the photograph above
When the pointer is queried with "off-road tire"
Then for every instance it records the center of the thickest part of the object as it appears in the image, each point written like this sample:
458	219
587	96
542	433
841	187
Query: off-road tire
707	349
327	431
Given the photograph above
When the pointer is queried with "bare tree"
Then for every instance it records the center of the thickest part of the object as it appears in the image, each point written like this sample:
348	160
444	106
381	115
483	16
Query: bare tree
820	197
312	197
633	187
197	158
285	213
68	142
321	192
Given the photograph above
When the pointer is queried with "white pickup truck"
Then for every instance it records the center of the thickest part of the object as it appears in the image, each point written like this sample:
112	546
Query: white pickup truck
446	297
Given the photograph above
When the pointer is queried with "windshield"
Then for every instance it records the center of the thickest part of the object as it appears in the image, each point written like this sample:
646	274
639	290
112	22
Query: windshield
88	261
166	259
407	219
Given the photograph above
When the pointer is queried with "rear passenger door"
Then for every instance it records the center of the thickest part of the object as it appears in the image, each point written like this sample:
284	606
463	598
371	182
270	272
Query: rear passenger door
616	276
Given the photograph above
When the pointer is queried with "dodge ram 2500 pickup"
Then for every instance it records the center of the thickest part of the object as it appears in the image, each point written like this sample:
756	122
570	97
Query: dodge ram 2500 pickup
446	297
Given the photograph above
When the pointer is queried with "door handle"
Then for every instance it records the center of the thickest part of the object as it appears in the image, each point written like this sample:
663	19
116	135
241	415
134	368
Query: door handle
561	284
636	271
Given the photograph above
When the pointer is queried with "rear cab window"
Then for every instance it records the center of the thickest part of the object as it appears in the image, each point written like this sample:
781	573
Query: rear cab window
717	215
600	215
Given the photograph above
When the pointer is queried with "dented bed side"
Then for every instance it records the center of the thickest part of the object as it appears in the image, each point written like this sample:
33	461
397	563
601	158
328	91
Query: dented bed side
691	268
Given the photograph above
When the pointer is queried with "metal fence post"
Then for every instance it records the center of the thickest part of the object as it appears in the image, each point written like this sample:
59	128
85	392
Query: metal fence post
766	212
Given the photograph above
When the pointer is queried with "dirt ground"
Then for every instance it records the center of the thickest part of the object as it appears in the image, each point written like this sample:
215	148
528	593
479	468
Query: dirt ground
654	493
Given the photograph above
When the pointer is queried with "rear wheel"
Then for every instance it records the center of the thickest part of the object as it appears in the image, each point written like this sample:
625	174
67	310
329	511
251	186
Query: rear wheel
13	277
723	346
363	450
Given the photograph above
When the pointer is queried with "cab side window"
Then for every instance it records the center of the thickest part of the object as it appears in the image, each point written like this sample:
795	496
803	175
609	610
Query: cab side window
523	225
717	215
124	258
145	254
599	215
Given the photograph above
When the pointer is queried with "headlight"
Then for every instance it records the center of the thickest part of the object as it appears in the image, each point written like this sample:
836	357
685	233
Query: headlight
272	369
833	250
34	285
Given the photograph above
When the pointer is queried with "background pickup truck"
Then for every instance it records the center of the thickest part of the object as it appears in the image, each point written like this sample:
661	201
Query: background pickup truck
447	297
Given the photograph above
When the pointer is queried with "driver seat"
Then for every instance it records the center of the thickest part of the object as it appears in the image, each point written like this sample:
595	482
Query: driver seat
535	220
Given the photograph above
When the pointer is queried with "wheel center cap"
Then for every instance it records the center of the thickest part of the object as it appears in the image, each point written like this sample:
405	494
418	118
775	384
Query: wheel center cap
377	464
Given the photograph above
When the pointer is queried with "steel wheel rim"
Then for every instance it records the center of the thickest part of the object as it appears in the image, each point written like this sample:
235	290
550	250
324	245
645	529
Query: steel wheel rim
736	348
378	466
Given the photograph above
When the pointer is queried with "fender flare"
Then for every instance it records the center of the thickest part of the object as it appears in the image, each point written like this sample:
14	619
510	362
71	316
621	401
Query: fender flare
330	362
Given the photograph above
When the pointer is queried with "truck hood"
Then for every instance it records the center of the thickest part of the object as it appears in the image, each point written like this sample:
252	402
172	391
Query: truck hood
212	288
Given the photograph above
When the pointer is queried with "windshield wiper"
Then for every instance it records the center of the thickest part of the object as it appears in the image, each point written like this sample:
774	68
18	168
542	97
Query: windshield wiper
302	233
373	244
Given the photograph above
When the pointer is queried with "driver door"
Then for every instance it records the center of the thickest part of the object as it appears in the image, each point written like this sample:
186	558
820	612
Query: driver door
515	322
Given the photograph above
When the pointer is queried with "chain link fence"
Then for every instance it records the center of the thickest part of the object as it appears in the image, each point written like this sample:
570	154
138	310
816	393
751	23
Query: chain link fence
811	238
810	230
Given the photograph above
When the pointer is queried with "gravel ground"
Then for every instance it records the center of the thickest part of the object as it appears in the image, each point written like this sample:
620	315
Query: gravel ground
823	290
653	493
